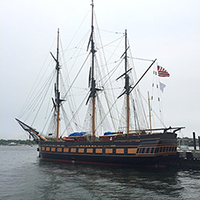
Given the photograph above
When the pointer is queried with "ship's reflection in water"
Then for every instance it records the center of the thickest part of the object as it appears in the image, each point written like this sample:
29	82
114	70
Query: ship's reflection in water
78	181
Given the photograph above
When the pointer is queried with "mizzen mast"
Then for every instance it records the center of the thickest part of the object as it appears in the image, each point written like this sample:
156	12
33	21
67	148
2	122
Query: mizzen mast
127	86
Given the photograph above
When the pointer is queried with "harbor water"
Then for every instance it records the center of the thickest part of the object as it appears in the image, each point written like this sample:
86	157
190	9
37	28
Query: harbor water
24	176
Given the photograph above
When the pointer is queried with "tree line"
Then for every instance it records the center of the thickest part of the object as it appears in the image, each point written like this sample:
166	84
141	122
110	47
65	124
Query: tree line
17	142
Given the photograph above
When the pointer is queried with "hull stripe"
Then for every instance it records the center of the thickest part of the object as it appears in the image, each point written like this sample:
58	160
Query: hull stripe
108	164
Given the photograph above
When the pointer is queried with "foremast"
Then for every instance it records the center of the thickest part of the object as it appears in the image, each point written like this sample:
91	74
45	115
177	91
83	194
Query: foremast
57	102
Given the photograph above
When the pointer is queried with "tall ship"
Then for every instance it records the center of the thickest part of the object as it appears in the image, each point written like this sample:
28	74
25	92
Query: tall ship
113	131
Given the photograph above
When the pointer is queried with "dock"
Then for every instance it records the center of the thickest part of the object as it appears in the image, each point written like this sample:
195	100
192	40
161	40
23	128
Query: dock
189	159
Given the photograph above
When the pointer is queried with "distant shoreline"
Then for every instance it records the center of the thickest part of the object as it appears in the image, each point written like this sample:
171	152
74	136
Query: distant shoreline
16	142
12	142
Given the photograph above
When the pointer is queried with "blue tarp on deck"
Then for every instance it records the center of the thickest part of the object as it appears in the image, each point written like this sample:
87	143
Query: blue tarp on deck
109	133
77	134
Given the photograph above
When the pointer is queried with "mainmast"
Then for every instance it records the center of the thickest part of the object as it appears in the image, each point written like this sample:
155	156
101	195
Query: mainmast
57	89
127	87
93	89
92	81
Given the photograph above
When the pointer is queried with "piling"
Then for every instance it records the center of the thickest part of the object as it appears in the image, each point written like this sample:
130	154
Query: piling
194	140
199	142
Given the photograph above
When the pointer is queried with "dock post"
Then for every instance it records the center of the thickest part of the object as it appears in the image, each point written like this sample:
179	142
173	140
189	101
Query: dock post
199	142
194	140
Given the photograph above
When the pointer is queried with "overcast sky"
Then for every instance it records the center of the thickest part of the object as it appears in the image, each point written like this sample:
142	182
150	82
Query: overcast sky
168	30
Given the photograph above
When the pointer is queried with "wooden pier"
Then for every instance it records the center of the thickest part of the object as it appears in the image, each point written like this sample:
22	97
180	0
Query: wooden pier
189	159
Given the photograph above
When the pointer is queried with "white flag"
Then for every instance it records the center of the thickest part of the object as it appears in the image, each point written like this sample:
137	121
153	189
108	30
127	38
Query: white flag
162	86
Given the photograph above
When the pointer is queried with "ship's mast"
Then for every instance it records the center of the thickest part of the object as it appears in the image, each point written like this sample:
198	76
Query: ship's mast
93	82
127	86
57	90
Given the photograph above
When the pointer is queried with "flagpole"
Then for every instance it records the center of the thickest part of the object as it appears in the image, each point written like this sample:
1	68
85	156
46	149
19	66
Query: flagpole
149	113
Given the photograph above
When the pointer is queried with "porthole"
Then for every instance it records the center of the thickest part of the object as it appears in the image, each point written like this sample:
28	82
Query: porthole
152	150
147	151
164	149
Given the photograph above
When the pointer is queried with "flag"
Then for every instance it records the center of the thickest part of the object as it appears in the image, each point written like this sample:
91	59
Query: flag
162	72
162	86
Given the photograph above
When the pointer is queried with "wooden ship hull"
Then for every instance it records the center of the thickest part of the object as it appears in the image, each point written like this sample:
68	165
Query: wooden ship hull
151	150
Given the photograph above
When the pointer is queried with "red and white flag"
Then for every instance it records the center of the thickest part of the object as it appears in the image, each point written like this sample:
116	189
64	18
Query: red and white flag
162	72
